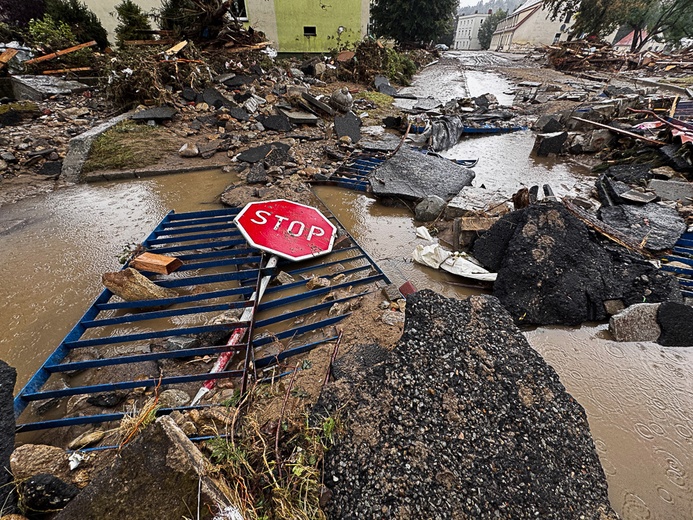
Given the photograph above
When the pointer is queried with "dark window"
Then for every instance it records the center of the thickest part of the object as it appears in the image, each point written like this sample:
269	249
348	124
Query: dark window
557	38
568	16
238	9
310	30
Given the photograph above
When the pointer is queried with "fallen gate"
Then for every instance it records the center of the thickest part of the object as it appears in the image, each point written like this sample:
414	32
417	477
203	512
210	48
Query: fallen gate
219	272
680	262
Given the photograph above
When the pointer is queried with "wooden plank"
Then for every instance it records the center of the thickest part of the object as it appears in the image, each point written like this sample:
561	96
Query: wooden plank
154	263
177	47
619	131
60	53
7	56
67	71
148	42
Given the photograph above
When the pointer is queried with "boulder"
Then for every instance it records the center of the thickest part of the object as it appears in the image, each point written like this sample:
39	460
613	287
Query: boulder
33	459
676	321
189	150
463	419
155	476
552	270
636	323
430	208
551	143
44	492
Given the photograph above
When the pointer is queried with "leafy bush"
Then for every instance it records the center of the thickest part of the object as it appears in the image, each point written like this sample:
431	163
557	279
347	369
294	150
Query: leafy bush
50	34
20	12
85	25
176	15
132	20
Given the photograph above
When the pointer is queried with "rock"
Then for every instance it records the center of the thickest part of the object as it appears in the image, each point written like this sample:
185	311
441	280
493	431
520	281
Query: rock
342	100
14	517
239	80
87	439
181	343
430	208
189	150
550	143
259	153
51	168
551	270
597	140
630	173
278	123
107	399
284	278
45	492
276	156
298	117
3	165
157	114
216	99
239	114
8	378
173	398
157	475
676	322
75	112
257	174
189	94
412	175
130	285
393	318
473	201
636	323
33	459
348	125
613	306
657	227
315	283
456	421
673	190
548	124
8	157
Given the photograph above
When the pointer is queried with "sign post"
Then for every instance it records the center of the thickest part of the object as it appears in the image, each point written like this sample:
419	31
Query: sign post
284	229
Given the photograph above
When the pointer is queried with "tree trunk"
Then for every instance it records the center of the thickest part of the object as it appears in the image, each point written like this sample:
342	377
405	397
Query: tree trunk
130	285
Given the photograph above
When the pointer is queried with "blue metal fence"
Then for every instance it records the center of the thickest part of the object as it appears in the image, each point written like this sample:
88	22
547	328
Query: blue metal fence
682	254
219	273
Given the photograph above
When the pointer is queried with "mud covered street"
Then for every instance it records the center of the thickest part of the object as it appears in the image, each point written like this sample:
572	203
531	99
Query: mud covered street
448	396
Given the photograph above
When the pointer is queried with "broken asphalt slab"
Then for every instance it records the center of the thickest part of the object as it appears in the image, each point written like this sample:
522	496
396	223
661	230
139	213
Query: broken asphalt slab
656	226
157	114
348	125
409	174
278	122
553	271
38	88
257	154
456	421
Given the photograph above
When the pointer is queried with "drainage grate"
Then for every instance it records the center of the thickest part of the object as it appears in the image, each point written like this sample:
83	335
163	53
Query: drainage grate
115	340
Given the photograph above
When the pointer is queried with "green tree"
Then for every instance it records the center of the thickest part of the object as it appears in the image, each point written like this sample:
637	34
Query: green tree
649	19
132	21
412	21
50	34
19	12
85	25
488	27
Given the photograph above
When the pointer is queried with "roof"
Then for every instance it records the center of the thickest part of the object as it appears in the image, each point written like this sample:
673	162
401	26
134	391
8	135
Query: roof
627	40
527	4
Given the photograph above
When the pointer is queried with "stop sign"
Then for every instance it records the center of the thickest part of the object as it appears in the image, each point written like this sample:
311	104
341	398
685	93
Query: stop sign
288	229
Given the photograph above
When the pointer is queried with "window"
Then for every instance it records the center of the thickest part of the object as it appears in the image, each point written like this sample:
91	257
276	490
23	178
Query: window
568	16
310	30
557	38
238	9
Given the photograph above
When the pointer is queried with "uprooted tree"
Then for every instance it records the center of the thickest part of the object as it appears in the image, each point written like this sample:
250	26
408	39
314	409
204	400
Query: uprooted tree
412	21
668	20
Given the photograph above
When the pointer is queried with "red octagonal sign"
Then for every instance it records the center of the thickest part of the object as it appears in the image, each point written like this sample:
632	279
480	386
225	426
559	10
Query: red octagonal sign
287	229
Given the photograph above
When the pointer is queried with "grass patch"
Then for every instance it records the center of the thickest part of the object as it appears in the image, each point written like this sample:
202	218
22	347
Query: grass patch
129	145
273	467
382	100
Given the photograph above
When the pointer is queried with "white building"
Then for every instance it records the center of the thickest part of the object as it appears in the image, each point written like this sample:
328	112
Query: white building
467	32
530	25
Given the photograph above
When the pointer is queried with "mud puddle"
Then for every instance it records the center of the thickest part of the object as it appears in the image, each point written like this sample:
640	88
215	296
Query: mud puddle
55	247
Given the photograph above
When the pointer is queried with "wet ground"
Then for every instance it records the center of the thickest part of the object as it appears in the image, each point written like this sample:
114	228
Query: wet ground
638	397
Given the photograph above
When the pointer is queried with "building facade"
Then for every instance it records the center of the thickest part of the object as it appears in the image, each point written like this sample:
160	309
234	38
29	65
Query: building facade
310	25
528	26
291	25
467	31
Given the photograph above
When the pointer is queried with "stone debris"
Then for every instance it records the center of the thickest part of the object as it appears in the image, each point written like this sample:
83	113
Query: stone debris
636	323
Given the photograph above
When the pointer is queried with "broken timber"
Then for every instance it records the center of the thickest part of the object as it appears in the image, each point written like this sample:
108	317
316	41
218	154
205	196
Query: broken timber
69	50
6	56
67	71
619	131
604	229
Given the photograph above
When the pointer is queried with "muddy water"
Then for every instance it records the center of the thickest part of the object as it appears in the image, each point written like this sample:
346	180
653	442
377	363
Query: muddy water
55	247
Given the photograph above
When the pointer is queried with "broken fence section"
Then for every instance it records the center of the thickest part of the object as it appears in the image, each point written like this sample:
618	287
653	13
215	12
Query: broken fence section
219	273
680	262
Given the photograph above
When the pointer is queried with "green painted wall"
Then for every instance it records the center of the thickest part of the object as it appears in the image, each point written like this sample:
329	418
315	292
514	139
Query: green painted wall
325	15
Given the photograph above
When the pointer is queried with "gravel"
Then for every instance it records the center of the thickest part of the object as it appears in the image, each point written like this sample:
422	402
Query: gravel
463	419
